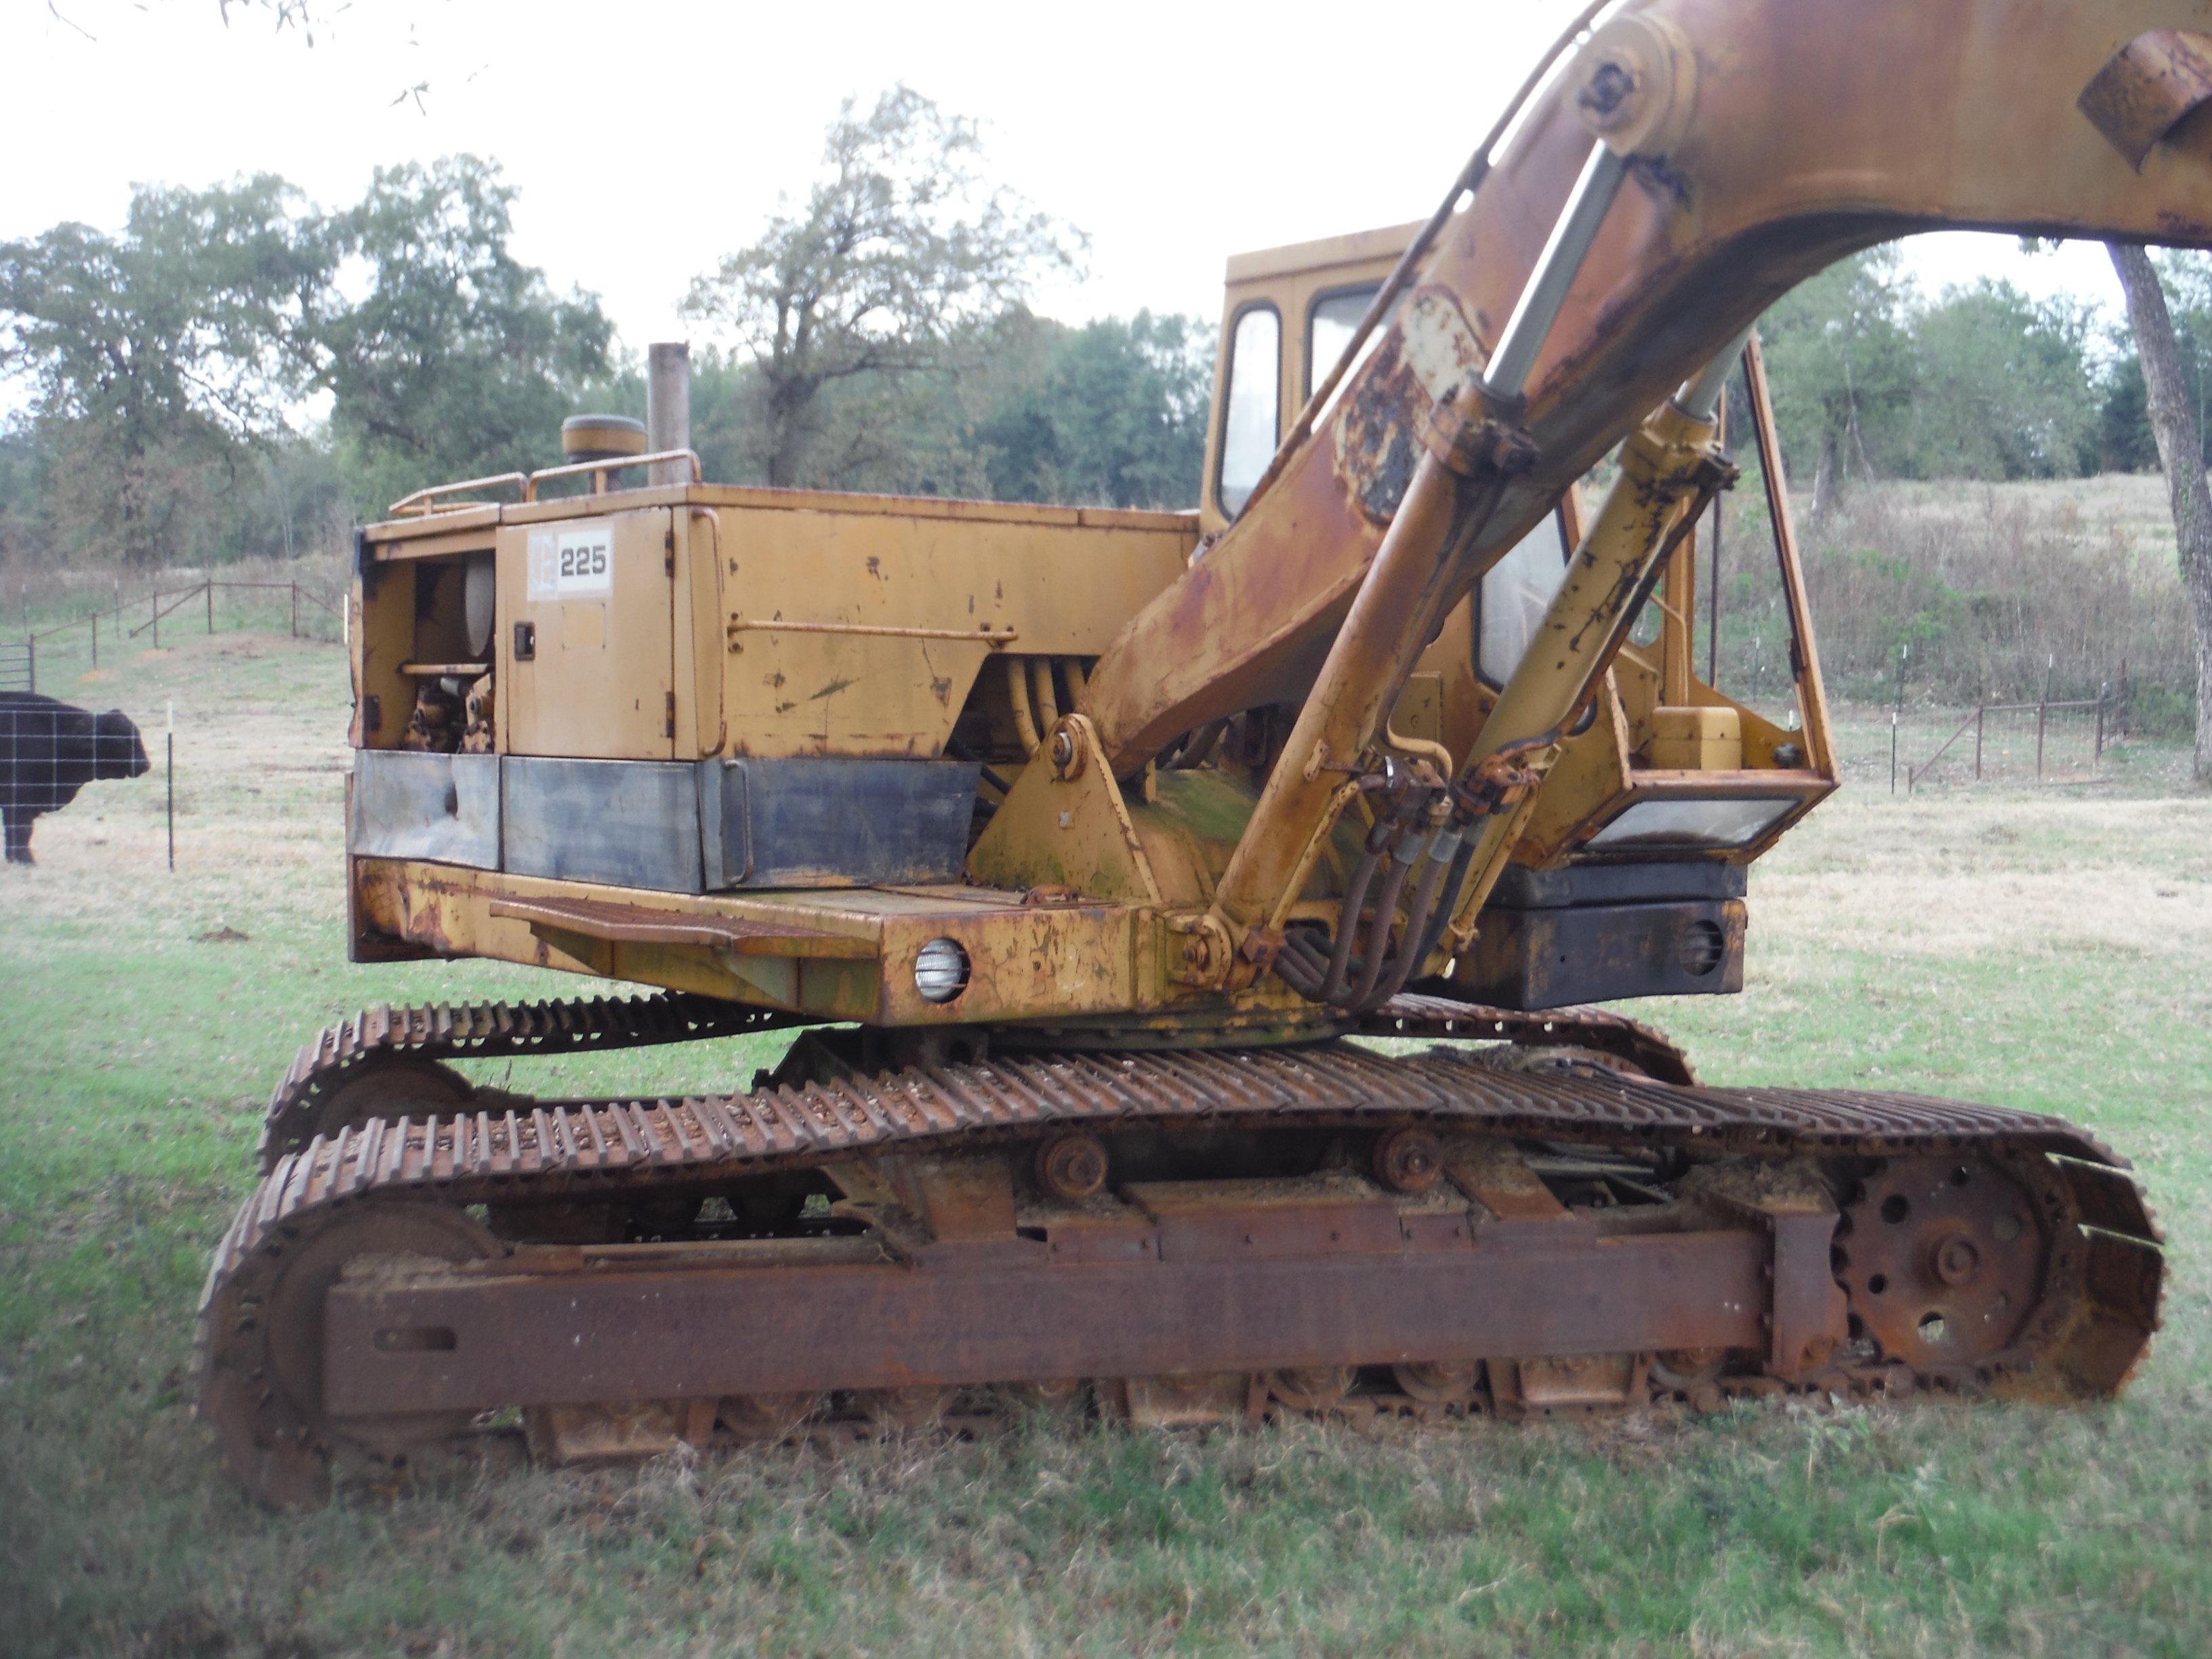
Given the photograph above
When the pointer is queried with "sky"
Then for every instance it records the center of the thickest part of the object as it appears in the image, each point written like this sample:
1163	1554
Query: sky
647	137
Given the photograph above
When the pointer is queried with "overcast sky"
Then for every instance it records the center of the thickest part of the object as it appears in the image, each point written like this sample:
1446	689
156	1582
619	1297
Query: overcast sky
649	136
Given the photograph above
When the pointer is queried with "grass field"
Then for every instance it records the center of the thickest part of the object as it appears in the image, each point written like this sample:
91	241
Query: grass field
2048	950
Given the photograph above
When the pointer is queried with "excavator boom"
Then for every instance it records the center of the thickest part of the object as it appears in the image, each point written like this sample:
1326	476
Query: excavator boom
1685	167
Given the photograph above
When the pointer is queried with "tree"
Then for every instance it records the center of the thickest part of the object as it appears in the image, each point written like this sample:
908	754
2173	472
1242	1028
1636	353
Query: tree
159	354
901	251
2004	387
2173	418
1843	364
2126	441
457	359
1117	419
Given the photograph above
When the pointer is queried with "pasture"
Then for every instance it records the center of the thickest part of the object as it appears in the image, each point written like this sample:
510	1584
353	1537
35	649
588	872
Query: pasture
2047	949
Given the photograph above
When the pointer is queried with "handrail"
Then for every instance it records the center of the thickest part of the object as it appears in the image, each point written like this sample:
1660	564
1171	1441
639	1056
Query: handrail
575	468
419	503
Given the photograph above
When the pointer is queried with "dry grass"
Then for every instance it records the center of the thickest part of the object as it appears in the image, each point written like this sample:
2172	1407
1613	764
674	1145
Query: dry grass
1991	586
2041	949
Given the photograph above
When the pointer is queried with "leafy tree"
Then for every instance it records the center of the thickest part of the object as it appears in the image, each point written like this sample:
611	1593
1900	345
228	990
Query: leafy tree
2004	387
158	356
1841	359
1117	419
901	252
457	359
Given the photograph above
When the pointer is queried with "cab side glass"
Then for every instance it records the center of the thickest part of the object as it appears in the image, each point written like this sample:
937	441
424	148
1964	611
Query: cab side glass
1249	424
1329	329
1516	591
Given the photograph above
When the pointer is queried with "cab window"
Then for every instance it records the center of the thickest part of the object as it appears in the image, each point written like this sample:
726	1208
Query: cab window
1329	327
1517	591
1251	409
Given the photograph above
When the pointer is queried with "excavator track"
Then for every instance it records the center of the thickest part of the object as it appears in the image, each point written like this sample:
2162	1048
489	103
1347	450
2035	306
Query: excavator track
382	1044
1186	1236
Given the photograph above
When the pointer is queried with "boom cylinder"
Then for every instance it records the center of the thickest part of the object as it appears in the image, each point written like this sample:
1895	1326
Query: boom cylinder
1506	374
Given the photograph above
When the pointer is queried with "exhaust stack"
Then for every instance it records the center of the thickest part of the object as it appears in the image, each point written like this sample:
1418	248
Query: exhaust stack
668	408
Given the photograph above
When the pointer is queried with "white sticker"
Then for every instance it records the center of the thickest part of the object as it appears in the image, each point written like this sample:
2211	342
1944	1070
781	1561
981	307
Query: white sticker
572	564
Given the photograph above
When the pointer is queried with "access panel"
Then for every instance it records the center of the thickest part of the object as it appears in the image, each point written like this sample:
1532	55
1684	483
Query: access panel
587	637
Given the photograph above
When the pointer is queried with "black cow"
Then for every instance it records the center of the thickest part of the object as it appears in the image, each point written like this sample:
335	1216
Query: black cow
49	750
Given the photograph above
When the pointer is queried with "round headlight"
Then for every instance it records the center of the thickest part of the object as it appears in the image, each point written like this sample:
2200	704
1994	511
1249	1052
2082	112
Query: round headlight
940	970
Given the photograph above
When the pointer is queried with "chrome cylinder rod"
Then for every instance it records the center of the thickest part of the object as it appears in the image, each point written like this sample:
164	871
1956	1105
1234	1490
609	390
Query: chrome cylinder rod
1557	267
1700	396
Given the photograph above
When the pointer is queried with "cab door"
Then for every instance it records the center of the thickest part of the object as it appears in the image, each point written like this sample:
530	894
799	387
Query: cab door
587	637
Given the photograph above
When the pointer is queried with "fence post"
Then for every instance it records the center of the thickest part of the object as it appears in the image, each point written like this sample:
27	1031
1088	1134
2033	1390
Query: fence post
157	619
1903	652
31	658
210	600
2120	714
1980	710
2043	716
296	610
2101	692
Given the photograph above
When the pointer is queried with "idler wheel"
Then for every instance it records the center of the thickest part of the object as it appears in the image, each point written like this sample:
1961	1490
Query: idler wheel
1943	1259
264	1392
1408	1160
379	1085
1071	1167
387	1085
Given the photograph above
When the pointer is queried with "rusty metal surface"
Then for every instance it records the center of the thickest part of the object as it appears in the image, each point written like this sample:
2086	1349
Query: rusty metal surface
1901	115
295	1358
2152	84
615	920
1642	1048
510	1143
339	1053
1208	1303
1943	1257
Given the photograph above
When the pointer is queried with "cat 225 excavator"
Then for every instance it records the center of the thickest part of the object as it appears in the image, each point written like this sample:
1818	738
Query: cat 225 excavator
1184	928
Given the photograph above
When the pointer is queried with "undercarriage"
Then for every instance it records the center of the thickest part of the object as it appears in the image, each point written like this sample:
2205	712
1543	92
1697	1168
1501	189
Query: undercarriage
1538	1214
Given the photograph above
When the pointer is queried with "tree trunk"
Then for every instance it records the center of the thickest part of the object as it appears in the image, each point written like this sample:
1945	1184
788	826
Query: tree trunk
1824	476
2181	452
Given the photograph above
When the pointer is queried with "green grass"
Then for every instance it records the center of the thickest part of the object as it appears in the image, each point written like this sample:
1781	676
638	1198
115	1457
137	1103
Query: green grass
2044	949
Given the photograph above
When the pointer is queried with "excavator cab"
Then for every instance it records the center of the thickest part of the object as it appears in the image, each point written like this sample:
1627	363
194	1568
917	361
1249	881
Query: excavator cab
1628	878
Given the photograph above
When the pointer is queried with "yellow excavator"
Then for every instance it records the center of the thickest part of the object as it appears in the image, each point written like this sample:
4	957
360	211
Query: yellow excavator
1085	854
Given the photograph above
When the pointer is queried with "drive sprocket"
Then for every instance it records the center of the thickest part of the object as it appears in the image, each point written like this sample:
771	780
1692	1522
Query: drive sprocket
1943	1258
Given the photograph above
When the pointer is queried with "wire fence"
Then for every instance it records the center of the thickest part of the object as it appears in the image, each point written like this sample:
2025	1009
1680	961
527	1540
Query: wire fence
307	613
2047	741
